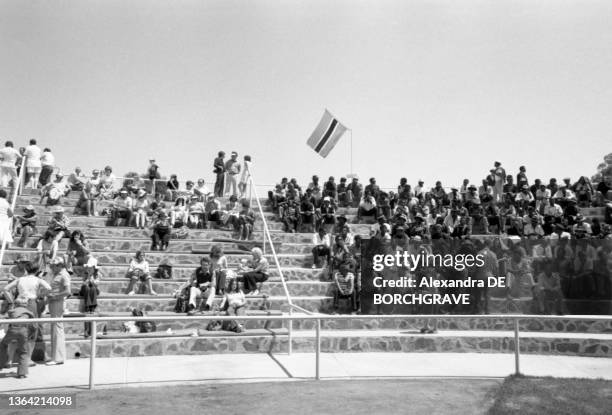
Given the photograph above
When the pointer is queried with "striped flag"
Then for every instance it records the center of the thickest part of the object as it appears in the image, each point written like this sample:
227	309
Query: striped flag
325	137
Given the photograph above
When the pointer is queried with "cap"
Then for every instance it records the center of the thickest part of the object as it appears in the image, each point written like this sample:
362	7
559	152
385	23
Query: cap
327	199
21	258
29	208
57	261
123	192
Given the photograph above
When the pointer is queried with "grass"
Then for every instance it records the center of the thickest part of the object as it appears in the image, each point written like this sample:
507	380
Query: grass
542	396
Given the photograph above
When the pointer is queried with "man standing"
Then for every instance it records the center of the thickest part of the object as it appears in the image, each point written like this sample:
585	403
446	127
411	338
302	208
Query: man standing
60	289
8	164
219	170
232	167
19	333
500	178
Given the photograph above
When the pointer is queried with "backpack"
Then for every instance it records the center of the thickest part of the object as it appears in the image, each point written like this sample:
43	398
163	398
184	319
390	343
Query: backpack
182	301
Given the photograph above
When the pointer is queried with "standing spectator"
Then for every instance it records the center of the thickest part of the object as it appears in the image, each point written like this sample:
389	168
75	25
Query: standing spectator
172	187
253	279
8	164
500	178
219	170
345	287
139	208
219	269
33	153
47	250
20	333
86	204
6	213
89	290
244	177
47	161
521	178
60	289
232	168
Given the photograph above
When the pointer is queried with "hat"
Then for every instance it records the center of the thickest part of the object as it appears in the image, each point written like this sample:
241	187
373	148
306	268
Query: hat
342	216
472	187
58	209
195	197
579	217
28	208
58	175
21	258
57	261
95	171
524	187
123	192
141	192
152	159
327	199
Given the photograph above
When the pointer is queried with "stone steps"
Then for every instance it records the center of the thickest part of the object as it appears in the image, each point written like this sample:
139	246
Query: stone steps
177	245
154	258
276	340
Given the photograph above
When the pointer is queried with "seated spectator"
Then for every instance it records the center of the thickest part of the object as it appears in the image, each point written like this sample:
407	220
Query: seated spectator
492	212
234	303
438	193
201	190
172	188
278	195
524	198
564	196
77	180
327	214
532	228
584	191
510	187
122	208
139	271
162	232
58	224
322	245
89	291
383	203
581	229
139	209
246	221
77	252
329	188
520	278
315	190
346	235
107	184
344	282
342	192
462	230
367	207
200	286
485	192
548	289
25	225
372	188
471	197
179	213
86	204
340	254
54	191
195	212
291	216
542	197
212	211
307	214
259	274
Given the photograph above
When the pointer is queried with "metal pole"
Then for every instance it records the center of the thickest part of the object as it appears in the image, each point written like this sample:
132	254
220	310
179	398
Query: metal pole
351	151
517	347
318	351
290	335
92	356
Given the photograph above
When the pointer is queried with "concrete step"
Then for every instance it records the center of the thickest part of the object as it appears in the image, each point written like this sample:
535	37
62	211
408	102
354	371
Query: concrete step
154	258
177	245
183	272
276	340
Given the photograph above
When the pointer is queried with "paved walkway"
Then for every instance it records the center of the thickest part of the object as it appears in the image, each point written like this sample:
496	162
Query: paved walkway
160	370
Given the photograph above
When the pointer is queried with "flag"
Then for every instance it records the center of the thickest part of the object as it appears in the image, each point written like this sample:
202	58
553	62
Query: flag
325	137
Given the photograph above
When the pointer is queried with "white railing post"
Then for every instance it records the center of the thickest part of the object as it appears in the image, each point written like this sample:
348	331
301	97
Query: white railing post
318	351
517	347
13	204
290	335
92	357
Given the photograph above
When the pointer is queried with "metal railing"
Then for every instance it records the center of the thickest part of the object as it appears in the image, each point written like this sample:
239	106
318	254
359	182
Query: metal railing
314	317
15	192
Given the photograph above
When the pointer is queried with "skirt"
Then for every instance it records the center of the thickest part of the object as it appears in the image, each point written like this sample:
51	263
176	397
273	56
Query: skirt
5	231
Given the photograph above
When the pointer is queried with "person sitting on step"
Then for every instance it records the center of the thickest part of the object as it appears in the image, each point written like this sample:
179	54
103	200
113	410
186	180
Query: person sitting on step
25	225
259	274
122	208
212	211
139	271
322	245
344	282
140	207
200	285
54	191
246	221
58	224
162	232
234	303
195	212
77	252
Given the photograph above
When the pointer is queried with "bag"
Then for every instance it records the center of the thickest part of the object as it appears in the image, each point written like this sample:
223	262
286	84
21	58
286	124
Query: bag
214	325
144	326
182	302
232	325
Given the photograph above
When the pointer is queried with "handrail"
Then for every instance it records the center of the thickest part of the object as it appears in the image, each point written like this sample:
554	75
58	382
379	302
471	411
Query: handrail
317	318
16	187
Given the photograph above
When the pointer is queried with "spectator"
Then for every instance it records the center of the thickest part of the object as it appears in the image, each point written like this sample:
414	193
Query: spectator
246	221
153	176
345	287
19	333
259	274
520	276
232	168
342	192
322	248
584	191
139	271
219	269
212	211
500	178
327	214
77	180
548	289
244	177
60	289
139	209
162	229
234	303
329	188
26	225
200	286
88	197
201	190
58	224
231	214
179	213
307	214
107	184
89	291
195	212
315	191
33	154
291	216
354	192
54	191
122	208
521	178
219	170
6	214
47	248
172	188
8	164
367	207
47	161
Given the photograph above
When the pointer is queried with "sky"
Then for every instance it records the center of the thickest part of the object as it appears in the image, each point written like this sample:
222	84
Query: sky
432	90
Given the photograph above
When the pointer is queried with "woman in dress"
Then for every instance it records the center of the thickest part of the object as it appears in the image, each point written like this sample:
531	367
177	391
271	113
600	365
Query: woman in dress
89	290
6	214
140	209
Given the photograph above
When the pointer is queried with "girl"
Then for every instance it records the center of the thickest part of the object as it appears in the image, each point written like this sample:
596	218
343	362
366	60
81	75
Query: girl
253	279
218	269
139	271
107	184
244	177
140	209
234	303
89	291
47	250
179	212
6	213
77	252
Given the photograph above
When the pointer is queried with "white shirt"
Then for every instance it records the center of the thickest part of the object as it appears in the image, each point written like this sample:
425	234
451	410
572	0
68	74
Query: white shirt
317	240
33	154
47	159
9	157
